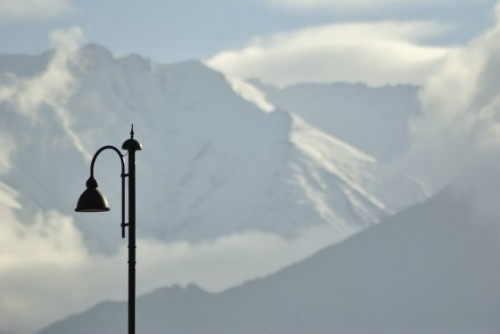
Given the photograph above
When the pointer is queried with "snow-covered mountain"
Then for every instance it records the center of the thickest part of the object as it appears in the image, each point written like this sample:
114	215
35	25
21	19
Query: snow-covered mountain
375	120
225	178
214	162
429	269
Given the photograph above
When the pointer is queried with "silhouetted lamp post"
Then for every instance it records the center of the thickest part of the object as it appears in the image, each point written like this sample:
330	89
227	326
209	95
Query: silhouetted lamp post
91	200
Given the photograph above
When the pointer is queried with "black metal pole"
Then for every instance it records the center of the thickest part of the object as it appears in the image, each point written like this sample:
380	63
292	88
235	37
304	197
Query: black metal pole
131	243
131	145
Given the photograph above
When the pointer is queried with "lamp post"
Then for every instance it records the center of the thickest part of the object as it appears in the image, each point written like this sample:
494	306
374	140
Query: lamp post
91	200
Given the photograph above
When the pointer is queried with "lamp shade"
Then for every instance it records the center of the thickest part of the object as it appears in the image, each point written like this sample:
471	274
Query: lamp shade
91	200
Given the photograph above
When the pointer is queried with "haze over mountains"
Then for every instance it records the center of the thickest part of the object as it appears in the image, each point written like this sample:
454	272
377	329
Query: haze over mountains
224	163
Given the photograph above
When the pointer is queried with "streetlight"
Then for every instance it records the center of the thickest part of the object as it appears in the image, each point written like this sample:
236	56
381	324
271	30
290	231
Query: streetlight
91	200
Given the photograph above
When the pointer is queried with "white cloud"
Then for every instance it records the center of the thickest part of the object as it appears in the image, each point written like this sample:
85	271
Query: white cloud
32	256
359	4
34	9
374	53
457	138
53	87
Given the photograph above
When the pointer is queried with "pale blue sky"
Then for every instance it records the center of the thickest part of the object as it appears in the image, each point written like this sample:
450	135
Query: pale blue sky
183	29
174	30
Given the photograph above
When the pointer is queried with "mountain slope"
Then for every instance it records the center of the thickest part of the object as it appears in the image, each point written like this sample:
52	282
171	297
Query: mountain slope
427	270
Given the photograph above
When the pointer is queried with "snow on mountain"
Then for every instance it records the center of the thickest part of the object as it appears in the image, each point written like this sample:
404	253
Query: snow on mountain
374	120
214	163
429	269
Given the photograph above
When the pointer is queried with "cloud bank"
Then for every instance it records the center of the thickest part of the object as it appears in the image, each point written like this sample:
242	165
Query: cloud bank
457	138
359	4
374	53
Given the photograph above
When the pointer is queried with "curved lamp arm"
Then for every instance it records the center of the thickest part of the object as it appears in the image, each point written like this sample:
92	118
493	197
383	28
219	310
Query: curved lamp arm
123	175
107	147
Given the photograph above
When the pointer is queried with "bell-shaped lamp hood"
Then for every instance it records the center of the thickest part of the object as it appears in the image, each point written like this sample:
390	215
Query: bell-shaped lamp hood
91	200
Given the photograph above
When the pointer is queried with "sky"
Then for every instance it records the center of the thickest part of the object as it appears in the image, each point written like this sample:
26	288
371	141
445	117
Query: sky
278	41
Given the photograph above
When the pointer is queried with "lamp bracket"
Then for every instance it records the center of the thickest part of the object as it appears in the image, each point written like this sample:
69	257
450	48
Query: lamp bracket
123	176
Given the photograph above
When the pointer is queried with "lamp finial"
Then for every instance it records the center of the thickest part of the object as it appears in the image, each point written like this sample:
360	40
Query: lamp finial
131	144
